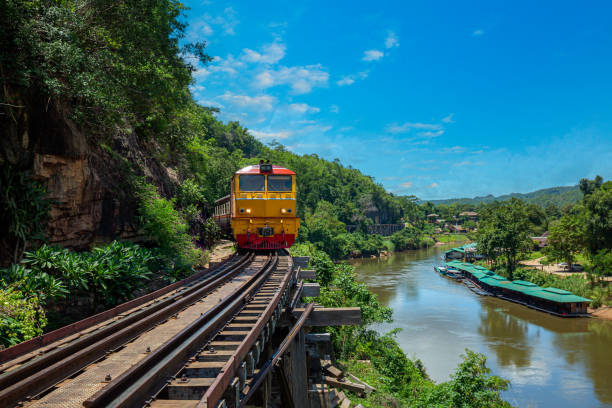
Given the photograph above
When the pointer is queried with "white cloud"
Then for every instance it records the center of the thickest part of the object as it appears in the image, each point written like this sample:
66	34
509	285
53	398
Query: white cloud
454	149
228	21
199	28
334	109
467	163
270	135
448	119
430	133
318	128
372	55
209	103
407	184
300	79
350	79
226	65
391	41
258	103
432	185
345	81
270	53
303	108
478	32
406	127
203	27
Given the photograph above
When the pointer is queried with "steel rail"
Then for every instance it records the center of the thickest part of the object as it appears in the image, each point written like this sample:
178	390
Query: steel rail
142	380
20	351
228	372
265	370
35	376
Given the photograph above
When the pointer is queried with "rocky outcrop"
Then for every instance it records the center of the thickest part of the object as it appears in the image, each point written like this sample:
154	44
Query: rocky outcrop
91	200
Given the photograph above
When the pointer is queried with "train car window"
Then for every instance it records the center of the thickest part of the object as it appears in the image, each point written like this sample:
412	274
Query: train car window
279	183
252	182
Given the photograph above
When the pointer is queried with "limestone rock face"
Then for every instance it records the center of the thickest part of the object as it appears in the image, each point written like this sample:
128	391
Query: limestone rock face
88	186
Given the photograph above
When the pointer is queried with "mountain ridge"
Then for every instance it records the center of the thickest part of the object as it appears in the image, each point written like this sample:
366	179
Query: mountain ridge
559	196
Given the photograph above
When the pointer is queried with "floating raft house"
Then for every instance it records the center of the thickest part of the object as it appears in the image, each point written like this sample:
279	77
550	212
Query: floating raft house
552	300
466	252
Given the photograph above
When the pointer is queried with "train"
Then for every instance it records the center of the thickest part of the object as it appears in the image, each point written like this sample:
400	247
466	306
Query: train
260	210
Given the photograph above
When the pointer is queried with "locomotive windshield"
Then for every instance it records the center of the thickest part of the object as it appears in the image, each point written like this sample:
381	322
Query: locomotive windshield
252	182
279	183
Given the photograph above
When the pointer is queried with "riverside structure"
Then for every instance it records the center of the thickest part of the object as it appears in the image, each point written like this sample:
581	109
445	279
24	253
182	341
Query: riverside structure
551	300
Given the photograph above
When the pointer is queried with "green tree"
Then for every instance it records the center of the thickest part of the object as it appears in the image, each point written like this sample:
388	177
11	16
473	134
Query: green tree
470	386
565	239
597	217
504	231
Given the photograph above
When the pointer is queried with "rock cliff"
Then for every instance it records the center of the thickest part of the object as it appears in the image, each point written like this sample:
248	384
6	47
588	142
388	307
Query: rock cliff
91	201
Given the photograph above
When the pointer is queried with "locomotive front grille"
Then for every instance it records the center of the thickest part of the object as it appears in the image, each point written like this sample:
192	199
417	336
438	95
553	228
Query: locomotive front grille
266	231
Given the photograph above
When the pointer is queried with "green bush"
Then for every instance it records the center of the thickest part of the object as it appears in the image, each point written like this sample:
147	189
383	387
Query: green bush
111	273
21	317
24	209
470	386
165	226
410	238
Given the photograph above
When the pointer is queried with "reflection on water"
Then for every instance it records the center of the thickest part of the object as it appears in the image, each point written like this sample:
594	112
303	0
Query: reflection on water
497	326
551	361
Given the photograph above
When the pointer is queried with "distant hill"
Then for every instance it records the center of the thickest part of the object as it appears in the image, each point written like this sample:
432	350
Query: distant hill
559	196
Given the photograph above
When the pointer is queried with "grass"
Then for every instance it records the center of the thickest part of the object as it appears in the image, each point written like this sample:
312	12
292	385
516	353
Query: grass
532	255
447	238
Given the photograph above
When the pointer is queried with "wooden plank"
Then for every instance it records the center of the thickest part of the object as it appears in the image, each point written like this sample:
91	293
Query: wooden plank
311	290
368	387
347	385
346	403
300	261
318	337
307	274
331	369
332	316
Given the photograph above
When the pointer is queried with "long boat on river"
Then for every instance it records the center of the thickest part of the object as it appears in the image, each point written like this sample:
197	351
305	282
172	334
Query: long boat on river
555	301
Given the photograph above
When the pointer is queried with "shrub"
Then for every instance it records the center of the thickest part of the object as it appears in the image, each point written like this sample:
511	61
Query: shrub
111	273
165	226
24	209
21	317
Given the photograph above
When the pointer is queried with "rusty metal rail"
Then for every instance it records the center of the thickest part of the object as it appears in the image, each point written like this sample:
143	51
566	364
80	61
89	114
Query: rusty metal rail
156	374
34	376
271	363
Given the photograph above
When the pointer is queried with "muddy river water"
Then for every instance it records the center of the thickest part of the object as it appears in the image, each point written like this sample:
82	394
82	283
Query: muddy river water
550	361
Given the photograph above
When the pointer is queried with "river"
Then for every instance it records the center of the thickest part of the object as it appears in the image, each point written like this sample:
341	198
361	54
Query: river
550	361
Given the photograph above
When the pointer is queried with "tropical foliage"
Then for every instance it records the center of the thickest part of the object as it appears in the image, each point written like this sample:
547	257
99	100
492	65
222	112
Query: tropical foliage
399	380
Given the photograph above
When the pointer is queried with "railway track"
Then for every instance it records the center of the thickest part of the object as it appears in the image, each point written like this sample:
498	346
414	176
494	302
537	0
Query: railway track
209	363
69	371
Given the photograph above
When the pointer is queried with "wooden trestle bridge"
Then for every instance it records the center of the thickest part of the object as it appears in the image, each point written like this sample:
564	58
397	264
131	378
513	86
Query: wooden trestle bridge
226	337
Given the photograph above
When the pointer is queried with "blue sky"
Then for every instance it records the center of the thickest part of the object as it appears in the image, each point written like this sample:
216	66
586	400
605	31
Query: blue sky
434	98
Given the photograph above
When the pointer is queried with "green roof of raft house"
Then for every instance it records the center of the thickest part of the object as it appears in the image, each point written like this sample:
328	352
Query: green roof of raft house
526	292
465	252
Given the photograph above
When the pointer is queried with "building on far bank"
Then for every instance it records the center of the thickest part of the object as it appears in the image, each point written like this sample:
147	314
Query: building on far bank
541	240
470	215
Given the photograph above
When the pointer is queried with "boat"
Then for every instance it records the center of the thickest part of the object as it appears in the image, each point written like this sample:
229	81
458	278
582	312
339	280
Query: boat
475	288
446	271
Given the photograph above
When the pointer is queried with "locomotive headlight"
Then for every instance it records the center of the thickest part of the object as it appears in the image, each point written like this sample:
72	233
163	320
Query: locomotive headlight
248	210
283	211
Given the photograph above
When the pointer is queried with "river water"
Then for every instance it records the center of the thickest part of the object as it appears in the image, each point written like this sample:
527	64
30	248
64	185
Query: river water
550	361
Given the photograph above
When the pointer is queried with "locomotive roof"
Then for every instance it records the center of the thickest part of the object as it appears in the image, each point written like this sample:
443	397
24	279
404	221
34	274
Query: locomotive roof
254	169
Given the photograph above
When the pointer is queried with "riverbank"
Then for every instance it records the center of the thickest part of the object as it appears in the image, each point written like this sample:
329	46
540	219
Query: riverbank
602	312
539	353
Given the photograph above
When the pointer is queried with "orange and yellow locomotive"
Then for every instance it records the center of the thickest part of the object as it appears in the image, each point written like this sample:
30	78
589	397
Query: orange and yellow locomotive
260	211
